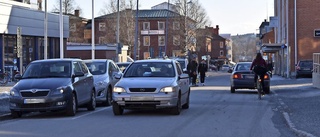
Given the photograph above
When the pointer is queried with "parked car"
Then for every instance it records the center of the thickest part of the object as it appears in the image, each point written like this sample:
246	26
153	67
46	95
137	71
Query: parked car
225	67
243	78
183	63
123	65
152	84
304	68
103	71
51	85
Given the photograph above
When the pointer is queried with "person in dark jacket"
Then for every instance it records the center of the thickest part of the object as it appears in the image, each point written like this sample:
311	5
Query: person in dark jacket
192	71
202	69
259	67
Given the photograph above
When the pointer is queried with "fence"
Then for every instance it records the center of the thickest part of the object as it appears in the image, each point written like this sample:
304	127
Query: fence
316	70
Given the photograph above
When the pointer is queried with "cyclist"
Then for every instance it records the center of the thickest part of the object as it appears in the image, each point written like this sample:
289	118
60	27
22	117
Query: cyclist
259	67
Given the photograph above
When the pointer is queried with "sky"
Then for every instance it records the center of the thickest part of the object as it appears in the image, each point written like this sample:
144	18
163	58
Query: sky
233	16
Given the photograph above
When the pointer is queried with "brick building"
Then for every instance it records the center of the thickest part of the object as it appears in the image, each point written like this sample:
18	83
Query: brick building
295	26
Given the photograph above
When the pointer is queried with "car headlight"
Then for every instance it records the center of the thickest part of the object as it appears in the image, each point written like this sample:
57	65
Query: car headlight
59	90
168	89
118	89
14	93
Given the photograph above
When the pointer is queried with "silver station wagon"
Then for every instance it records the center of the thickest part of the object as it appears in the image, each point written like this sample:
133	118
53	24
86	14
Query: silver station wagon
152	84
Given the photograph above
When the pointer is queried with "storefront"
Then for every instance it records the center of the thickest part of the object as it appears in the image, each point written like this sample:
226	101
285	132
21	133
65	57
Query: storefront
31	23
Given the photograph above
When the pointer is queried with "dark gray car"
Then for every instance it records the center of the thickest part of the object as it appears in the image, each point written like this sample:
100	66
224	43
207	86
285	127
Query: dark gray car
51	85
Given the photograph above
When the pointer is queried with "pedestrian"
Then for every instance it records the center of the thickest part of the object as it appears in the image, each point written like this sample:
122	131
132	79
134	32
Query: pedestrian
270	67
202	69
192	71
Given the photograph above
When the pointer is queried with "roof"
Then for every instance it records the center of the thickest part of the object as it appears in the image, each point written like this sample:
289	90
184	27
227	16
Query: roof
153	13
154	60
56	59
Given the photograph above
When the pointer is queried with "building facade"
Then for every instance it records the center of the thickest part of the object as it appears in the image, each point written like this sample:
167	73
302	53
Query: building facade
20	21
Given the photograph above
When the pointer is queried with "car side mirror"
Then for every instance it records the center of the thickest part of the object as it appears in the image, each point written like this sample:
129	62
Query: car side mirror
117	76
78	74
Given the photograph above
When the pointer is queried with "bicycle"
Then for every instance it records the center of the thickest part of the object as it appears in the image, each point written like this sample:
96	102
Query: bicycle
259	87
4	78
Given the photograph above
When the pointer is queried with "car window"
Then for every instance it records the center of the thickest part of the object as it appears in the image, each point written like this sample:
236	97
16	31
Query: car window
47	69
84	67
243	67
150	69
179	68
96	68
306	64
76	67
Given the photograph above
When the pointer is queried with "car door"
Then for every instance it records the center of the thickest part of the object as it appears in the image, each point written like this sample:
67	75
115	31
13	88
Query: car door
88	79
183	83
113	70
79	83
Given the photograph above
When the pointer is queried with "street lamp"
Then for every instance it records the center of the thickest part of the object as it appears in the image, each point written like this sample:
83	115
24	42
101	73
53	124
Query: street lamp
185	28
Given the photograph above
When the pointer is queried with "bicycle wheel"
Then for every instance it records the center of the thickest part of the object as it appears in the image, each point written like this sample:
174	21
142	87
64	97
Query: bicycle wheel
259	88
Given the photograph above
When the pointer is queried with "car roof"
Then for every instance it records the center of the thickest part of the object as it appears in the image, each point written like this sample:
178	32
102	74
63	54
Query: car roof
153	60
244	62
97	60
123	62
56	59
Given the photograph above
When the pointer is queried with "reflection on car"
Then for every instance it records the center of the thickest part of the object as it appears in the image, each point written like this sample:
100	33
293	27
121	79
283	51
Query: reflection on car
152	84
51	85
104	71
243	78
304	68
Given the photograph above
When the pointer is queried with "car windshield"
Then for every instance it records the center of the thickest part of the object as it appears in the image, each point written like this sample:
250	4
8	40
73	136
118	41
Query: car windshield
243	67
306	64
96	68
150	69
47	70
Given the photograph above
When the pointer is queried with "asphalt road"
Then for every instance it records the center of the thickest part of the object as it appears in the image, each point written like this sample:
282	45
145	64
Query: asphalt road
290	110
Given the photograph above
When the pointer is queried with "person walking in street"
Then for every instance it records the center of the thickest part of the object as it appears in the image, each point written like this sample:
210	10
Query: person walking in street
202	69
270	67
192	71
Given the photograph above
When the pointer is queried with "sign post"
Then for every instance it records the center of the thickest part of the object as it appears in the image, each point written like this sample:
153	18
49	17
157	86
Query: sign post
19	49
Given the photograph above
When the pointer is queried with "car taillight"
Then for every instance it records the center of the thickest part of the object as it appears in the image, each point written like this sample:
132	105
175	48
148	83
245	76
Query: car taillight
236	76
266	76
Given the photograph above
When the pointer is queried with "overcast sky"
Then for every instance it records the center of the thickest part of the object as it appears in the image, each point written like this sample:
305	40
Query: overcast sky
232	16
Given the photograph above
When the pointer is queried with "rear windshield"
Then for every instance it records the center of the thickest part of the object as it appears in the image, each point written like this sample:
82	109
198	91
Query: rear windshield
306	64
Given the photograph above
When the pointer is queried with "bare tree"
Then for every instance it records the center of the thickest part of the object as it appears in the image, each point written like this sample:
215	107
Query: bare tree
68	6
193	17
126	25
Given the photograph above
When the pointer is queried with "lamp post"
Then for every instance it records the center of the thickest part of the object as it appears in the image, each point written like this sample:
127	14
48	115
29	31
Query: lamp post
136	34
185	28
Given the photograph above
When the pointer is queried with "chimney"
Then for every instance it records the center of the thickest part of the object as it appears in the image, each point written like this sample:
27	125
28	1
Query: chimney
77	13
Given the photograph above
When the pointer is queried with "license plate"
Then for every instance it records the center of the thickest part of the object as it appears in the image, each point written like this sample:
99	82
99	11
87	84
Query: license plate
141	98
33	101
249	77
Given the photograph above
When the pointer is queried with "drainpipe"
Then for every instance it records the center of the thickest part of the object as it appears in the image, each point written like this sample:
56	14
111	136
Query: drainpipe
287	38
295	33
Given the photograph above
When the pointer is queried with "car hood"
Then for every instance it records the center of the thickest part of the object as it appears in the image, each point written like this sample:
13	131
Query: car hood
145	82
42	83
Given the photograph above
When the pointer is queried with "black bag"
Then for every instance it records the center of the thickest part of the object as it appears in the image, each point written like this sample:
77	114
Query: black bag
260	70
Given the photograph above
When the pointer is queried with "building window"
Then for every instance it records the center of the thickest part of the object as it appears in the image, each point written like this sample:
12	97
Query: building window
161	26
176	40
102	40
73	27
176	25
146	40
221	53
161	40
221	44
146	25
102	26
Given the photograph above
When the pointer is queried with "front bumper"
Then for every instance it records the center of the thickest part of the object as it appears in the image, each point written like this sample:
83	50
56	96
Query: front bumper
160	100
54	102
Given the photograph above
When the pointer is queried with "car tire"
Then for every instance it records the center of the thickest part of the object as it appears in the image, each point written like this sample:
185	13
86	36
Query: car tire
117	110
266	90
186	106
92	104
177	109
72	106
233	90
108	94
16	114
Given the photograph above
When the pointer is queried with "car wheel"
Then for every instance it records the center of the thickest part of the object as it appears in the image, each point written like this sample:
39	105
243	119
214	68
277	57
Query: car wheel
72	105
186	106
266	90
117	110
108	94
233	90
16	114
92	104
177	109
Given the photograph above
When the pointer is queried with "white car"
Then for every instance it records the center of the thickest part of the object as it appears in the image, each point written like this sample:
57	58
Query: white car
152	84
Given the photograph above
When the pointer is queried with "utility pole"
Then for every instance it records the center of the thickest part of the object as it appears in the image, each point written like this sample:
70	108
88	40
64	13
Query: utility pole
45	49
92	33
136	34
118	41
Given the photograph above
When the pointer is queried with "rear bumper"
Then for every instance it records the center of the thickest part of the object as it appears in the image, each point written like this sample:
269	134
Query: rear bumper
247	84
